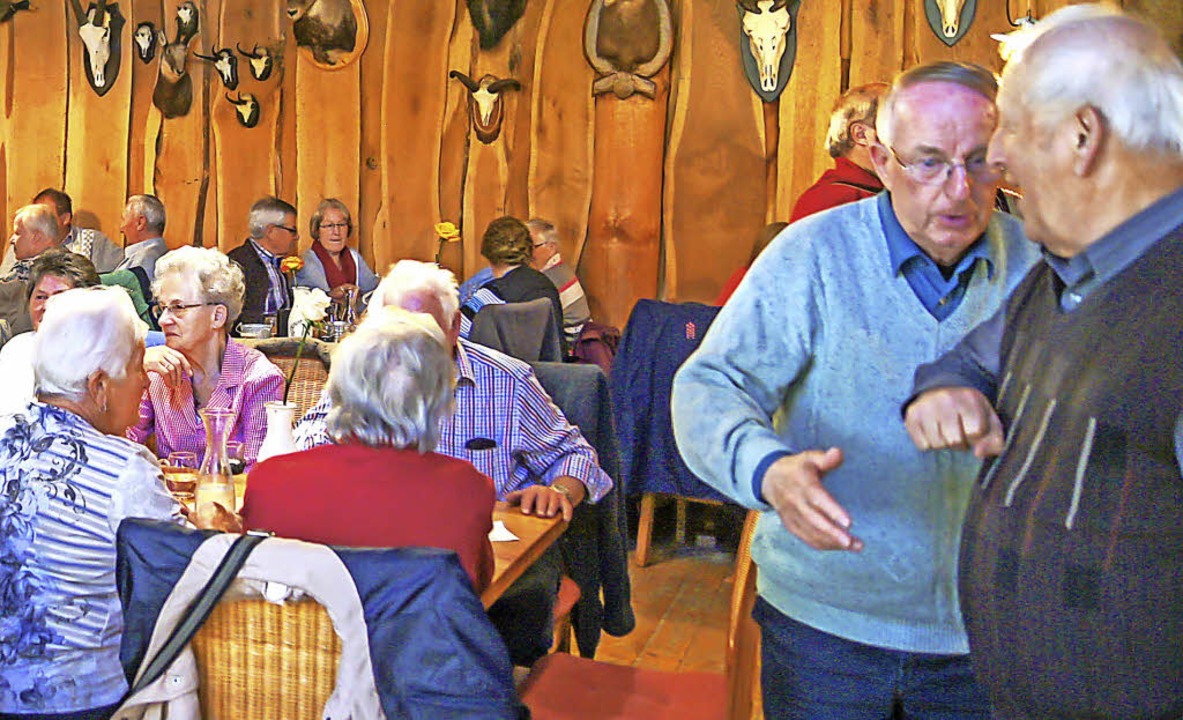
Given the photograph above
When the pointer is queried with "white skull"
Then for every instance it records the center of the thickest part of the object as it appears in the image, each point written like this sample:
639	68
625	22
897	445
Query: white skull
97	39
950	16
767	31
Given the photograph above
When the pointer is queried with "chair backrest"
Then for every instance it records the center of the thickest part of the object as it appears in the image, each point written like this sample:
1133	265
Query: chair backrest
260	660
743	634
311	373
526	330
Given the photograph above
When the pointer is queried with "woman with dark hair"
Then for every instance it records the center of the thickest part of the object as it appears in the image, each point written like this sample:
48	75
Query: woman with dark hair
330	264
508	247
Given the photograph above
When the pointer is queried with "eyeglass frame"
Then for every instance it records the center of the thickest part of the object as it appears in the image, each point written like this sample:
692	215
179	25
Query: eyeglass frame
293	230
334	226
994	169
177	310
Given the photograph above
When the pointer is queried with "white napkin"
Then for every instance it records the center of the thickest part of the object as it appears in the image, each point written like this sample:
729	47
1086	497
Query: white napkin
500	533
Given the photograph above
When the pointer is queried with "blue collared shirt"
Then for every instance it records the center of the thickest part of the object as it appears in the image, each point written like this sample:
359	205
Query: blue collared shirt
939	295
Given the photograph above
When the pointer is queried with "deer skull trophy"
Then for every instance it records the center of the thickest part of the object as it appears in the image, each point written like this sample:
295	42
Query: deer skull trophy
950	19
100	27
145	39
485	105
173	95
625	49
260	61
771	45
226	63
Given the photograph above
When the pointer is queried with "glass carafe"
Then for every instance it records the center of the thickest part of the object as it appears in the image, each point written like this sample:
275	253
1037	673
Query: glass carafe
215	481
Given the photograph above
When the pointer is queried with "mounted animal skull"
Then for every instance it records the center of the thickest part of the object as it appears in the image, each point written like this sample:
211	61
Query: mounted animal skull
226	64
950	19
767	23
99	27
145	37
260	61
485	105
173	94
247	107
627	42
328	28
188	21
493	18
951	16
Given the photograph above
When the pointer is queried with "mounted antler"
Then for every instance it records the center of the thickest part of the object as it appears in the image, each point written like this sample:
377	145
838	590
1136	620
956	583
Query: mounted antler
485	105
225	63
260	61
247	107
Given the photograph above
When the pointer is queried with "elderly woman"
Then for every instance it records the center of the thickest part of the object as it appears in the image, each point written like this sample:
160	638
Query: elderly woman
199	293
54	271
69	478
330	264
379	484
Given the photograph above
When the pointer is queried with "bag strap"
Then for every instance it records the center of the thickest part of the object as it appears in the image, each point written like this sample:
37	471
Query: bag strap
202	606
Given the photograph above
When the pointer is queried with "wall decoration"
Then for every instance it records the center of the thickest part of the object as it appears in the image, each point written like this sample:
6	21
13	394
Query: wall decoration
247	107
9	8
173	94
768	44
493	18
627	42
330	33
260	61
226	63
145	39
100	28
950	19
485	106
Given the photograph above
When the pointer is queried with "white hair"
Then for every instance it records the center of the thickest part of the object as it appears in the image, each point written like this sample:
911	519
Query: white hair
266	212
408	278
84	331
38	218
148	207
391	382
218	277
1094	55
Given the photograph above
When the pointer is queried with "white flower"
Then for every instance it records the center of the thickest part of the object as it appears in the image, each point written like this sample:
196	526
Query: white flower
309	305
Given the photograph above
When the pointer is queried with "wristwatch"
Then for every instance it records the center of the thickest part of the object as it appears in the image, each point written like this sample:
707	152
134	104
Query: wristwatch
562	490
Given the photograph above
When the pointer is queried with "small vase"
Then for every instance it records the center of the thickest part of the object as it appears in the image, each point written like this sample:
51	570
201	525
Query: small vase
279	440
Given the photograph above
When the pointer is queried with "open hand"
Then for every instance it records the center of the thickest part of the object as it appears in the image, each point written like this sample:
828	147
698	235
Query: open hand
793	486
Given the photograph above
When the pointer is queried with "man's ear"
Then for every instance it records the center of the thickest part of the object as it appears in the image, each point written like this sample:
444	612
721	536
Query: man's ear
860	134
881	157
1090	136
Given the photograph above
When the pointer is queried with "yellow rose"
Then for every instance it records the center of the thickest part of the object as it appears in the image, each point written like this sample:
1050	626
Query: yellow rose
447	232
292	264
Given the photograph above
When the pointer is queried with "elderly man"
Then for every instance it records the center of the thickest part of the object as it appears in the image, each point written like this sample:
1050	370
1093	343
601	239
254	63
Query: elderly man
34	230
273	237
1072	551
848	140
105	254
507	427
547	259
791	406
143	232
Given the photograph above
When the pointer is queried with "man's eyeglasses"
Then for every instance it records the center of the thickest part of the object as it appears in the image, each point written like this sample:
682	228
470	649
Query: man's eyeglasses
177	309
292	230
343	227
932	170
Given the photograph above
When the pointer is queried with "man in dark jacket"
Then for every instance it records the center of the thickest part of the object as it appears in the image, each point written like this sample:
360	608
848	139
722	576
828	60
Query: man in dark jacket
273	238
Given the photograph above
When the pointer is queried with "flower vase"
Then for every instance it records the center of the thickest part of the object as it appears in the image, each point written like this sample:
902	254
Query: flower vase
279	440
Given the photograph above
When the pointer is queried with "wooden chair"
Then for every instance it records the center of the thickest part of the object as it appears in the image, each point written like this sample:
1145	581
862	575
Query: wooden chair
257	659
565	687
311	374
569	594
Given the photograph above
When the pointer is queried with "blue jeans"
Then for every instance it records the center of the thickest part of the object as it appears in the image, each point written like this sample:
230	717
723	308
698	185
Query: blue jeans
811	675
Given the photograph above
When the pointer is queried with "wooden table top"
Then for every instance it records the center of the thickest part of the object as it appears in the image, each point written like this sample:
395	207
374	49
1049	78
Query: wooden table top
510	559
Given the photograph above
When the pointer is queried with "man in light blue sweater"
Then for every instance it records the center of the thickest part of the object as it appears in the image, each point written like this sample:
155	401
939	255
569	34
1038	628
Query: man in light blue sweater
791	405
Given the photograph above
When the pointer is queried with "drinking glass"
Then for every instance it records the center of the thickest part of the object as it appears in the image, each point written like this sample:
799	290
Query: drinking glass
181	473
234	452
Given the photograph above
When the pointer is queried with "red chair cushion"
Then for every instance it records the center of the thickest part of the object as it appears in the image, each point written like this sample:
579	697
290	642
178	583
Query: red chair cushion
566	687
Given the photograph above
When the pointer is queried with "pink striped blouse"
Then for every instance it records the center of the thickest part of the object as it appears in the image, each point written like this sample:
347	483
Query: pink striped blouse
248	380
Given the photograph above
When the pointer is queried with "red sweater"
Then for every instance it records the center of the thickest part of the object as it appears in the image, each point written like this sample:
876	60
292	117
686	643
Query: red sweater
362	496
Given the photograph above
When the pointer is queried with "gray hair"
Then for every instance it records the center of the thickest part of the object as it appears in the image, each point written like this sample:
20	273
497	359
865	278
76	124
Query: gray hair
968	75
38	218
220	279
329	204
408	278
267	212
544	229
1094	55
857	105
391	382
84	331
148	207
61	263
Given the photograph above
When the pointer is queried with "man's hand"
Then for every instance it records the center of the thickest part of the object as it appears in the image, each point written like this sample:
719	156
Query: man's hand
793	485
170	365
545	501
956	418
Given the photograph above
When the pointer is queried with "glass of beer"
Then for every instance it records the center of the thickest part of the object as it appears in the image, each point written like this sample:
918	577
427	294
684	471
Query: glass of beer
181	474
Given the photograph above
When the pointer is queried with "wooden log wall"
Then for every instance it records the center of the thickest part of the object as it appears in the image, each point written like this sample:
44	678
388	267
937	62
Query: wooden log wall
653	197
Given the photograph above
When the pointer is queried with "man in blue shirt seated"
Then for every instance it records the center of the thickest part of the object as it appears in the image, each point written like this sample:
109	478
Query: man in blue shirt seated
791	406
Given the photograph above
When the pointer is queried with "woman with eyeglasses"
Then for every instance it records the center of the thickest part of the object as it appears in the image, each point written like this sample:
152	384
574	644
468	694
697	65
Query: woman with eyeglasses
330	264
199	294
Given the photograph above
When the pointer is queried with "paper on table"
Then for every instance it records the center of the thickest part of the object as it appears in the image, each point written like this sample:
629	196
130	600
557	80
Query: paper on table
500	533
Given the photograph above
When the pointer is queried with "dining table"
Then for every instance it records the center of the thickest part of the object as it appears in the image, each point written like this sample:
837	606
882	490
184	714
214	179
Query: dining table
511	558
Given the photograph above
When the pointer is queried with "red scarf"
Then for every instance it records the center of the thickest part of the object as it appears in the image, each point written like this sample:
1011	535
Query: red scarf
347	273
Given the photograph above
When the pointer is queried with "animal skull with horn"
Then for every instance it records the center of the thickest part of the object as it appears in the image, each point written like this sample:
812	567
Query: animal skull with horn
145	38
615	35
485	104
99	27
767	24
226	63
260	61
247	107
949	19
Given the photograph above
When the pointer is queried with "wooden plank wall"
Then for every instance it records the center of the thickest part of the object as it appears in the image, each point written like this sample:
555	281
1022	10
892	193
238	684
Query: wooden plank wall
653	197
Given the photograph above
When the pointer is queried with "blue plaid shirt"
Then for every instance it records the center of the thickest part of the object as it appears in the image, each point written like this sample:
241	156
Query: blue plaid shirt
277	290
504	424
